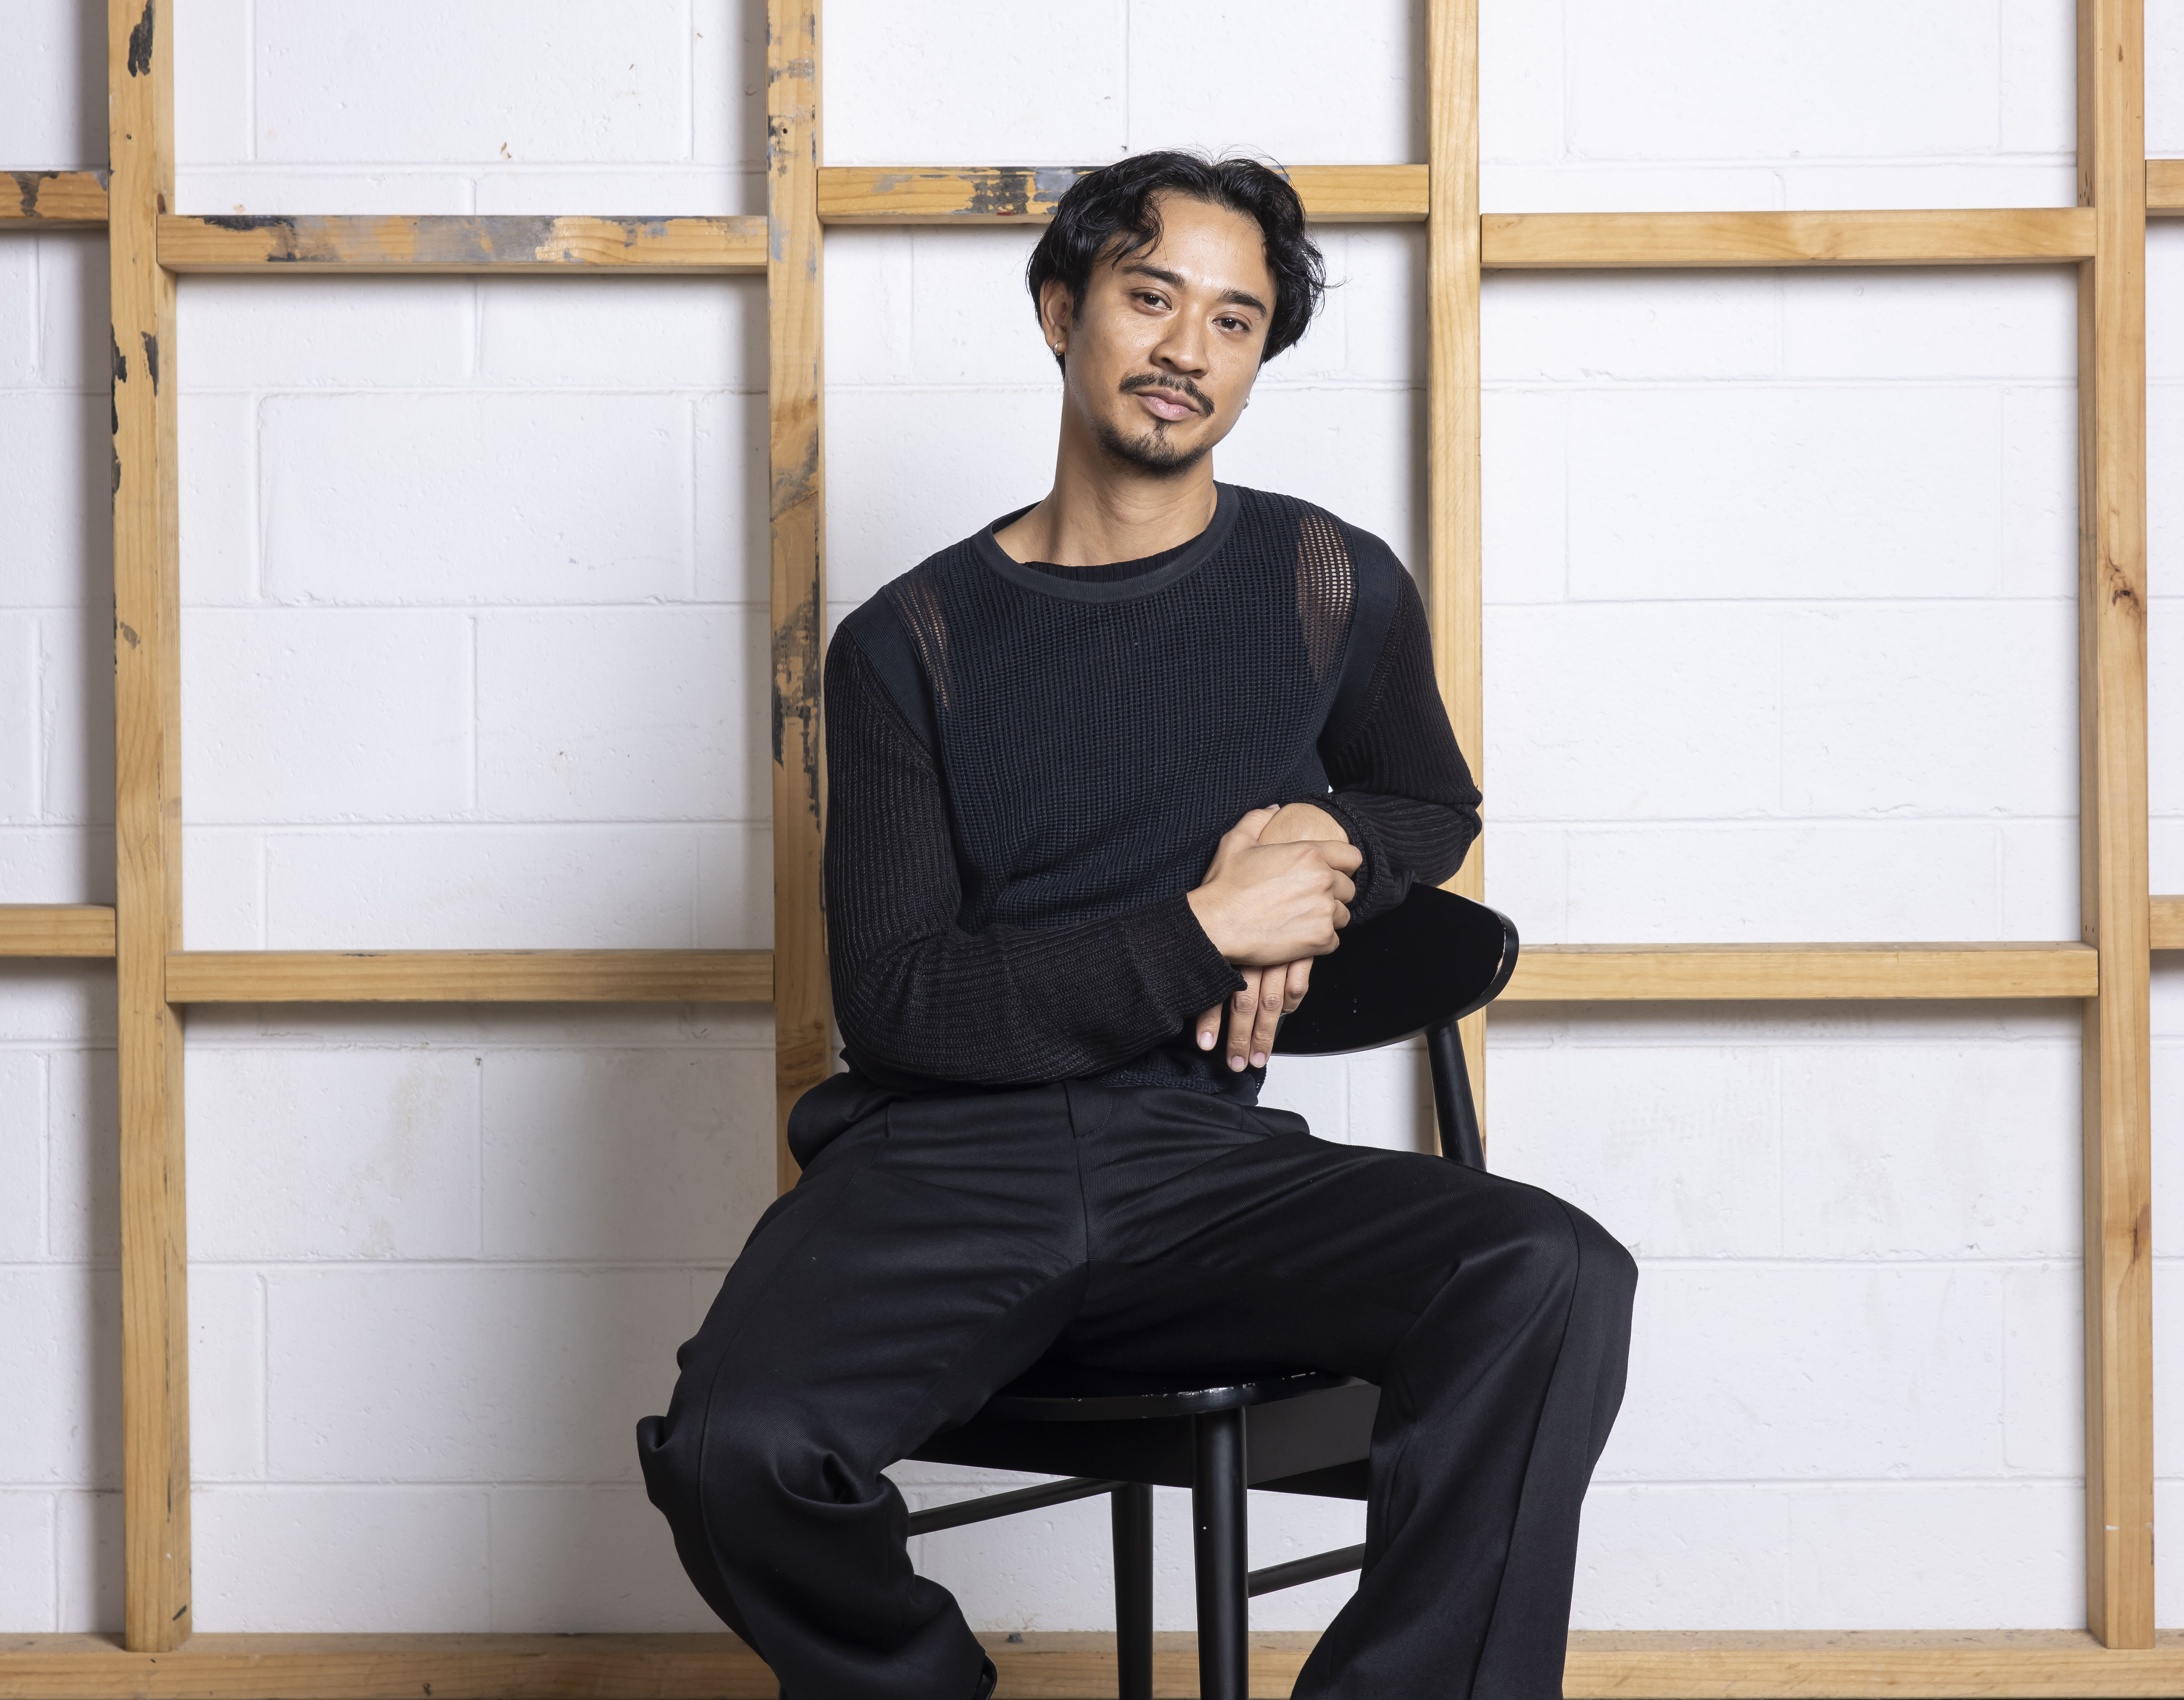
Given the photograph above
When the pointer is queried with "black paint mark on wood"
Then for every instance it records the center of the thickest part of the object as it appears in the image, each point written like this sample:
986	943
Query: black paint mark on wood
120	360
1010	192
184	1605
115	489
129	631
120	377
140	43
152	357
796	690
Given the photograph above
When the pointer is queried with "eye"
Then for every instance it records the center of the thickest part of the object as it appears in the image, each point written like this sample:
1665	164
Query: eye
1231	322
1152	298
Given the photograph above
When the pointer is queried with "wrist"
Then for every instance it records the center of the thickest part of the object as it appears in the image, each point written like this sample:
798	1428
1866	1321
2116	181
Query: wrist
1303	821
1207	910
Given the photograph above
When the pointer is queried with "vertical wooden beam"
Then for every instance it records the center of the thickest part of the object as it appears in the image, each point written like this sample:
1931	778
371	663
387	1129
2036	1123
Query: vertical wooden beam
1452	480
802	1021
2113	872
155	1405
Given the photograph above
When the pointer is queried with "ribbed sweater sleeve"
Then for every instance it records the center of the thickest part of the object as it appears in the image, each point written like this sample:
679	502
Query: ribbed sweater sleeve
1004	1005
1402	790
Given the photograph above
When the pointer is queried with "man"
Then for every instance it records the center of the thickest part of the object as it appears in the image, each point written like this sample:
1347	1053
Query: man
1125	760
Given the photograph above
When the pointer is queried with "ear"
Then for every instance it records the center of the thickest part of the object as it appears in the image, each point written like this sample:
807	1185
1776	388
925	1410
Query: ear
1057	311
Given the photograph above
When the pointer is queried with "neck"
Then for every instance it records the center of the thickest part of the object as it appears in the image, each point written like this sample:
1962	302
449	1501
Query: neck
1102	511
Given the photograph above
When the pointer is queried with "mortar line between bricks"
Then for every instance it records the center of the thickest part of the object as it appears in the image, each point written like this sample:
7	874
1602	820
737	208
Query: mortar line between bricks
45	1072
587	609
450	823
1756	1484
1801	605
531	387
1761	1484
1594	823
493	167
1566	165
342	1263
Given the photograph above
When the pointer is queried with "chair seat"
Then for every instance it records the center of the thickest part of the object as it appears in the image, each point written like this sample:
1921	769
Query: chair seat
1310	1431
1070	1393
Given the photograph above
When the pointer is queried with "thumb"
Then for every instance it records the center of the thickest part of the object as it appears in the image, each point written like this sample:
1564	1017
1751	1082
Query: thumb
1256	822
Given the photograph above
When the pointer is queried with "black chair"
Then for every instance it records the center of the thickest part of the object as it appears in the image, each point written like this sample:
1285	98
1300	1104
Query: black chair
1419	968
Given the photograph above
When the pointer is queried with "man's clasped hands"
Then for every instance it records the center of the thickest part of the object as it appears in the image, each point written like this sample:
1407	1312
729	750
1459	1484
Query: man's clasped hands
1275	894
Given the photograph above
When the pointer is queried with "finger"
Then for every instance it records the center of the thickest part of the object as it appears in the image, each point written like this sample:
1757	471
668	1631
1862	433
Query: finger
1346	888
1270	1012
1255	822
1341	919
1345	857
1209	1027
1243	1010
1299	983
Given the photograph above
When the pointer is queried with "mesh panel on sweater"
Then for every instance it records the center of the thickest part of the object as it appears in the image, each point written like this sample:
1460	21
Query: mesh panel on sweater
1027	770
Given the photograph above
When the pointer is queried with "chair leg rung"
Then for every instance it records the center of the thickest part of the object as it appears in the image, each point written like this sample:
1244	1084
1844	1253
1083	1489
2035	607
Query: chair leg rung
1299	1571
1008	1504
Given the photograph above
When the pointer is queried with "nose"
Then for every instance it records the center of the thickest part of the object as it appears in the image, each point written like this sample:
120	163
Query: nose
1182	348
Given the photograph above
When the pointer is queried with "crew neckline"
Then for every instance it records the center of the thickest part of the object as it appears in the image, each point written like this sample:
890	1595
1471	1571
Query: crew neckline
1193	555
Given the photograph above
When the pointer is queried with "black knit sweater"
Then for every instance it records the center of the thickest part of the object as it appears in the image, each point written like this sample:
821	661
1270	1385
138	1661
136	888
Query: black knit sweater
1028	768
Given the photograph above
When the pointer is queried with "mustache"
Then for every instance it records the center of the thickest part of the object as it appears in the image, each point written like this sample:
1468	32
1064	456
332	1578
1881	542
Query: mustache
1175	382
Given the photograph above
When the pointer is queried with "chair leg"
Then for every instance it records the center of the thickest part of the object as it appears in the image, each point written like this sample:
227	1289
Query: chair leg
1132	1504
1216	1512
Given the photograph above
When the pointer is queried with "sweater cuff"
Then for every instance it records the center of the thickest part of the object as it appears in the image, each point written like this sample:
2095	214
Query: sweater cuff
1177	962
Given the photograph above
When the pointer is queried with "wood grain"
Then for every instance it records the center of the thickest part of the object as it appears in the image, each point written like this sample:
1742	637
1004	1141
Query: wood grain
493	976
39	929
2117	1190
2165	186
1026	194
1453	579
2030	1664
155	1405
53	200
2165	923
248	244
1615	974
803	1015
1591	240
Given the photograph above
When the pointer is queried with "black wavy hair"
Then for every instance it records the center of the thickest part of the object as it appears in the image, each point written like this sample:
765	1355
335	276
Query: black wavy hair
1117	201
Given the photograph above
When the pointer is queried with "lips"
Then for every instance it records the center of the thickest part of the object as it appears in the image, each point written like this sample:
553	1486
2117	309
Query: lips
1164	403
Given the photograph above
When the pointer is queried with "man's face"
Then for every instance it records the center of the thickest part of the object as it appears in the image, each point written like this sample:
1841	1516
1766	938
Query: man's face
1161	359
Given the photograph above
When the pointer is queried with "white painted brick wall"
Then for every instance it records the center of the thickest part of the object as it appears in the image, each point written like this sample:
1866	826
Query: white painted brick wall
1780	580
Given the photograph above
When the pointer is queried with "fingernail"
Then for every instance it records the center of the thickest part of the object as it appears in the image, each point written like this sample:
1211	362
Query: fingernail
1205	1041
1236	1063
1258	1059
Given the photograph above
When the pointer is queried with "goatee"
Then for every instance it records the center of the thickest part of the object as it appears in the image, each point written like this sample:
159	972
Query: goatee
1153	452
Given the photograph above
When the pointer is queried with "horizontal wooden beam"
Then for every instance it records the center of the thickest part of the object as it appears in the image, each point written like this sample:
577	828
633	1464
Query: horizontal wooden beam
53	200
61	930
2167	917
1590	240
312	976
1026	194
2025	1664
245	244
1639	973
2165	187
1866	1665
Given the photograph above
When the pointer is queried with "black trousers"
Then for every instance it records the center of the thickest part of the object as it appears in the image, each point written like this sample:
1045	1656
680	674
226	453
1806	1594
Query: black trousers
935	1249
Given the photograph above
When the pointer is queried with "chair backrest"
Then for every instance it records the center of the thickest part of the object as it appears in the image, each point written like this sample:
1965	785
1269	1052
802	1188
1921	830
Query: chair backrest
1419	968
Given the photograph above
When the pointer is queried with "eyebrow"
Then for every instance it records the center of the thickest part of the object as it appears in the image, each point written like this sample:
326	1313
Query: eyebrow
1237	297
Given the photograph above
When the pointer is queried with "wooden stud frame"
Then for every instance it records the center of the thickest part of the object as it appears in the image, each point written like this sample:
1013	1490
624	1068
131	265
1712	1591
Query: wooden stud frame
150	244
